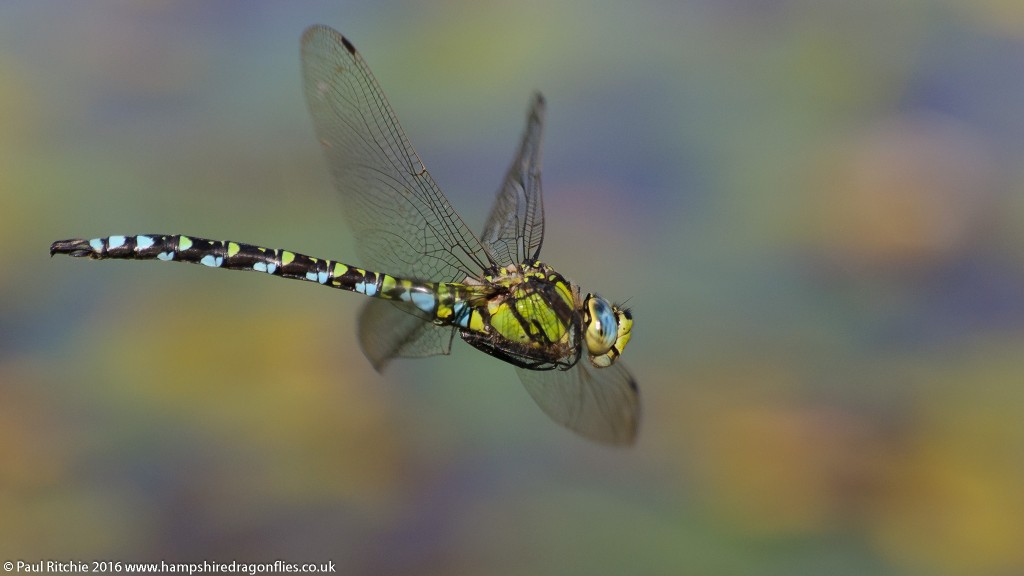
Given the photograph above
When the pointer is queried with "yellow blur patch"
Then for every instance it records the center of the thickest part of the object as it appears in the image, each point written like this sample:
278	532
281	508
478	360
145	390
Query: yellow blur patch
233	248
184	243
287	257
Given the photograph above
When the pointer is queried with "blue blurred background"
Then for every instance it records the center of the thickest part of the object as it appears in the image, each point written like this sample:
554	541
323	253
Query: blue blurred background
815	209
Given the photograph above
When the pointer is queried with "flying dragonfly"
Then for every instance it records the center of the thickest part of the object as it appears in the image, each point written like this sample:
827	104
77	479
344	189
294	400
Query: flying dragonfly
429	277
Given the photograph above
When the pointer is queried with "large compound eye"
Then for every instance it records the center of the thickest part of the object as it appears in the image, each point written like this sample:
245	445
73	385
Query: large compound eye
607	330
602	326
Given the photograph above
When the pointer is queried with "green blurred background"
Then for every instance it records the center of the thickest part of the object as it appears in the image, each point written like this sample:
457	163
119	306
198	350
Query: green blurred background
815	209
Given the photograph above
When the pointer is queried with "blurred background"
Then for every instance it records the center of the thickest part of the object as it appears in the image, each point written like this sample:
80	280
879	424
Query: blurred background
814	208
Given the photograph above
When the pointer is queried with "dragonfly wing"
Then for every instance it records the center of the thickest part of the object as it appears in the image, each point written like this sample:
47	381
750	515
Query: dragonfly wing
389	330
602	404
515	227
402	222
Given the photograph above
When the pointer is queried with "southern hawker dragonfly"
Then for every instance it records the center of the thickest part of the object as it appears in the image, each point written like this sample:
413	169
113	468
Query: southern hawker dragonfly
429	276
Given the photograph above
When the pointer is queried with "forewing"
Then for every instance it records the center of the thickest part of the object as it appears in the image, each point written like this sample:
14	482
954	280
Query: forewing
390	330
515	227
602	404
402	223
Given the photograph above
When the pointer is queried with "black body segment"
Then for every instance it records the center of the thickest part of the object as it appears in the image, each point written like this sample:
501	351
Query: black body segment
231	255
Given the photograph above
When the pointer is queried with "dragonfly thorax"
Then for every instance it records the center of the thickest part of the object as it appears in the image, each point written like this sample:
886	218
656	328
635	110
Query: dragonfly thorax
530	317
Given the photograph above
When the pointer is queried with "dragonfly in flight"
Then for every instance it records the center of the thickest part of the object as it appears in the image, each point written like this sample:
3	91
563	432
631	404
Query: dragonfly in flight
429	277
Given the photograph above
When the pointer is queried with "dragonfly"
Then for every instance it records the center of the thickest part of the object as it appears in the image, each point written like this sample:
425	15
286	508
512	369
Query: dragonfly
429	278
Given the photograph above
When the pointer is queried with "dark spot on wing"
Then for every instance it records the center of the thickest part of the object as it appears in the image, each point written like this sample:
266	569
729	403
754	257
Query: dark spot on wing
348	46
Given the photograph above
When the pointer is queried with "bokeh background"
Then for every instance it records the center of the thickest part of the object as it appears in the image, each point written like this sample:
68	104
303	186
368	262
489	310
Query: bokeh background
815	209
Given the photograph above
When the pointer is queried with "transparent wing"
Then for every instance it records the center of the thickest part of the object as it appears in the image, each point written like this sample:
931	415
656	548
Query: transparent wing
403	224
515	227
388	330
602	404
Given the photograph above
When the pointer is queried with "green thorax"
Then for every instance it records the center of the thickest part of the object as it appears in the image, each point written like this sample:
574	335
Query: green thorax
529	316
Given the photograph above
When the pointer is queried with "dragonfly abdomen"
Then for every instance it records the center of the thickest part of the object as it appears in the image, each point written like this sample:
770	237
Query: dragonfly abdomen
212	253
445	303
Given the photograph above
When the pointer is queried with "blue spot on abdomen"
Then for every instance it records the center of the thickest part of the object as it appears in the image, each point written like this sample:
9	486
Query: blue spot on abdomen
212	261
424	301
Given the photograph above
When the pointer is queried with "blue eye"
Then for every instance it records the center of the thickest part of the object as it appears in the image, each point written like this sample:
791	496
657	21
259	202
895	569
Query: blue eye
602	327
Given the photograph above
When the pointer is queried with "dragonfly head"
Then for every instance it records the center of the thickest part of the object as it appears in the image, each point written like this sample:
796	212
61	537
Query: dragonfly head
606	329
